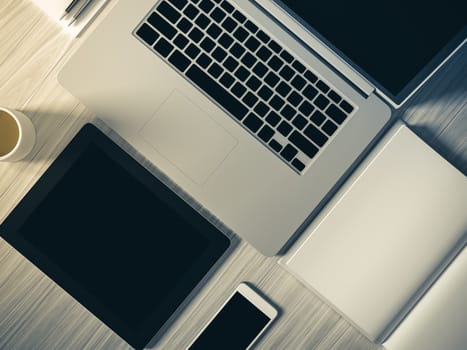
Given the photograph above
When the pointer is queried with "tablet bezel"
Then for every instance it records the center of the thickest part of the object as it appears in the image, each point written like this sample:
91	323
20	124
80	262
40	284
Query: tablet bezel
88	135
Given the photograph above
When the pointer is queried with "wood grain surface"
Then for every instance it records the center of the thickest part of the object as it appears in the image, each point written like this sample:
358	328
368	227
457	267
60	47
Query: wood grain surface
35	313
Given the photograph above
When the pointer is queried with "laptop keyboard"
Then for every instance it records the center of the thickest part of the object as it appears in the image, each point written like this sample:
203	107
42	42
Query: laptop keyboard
274	96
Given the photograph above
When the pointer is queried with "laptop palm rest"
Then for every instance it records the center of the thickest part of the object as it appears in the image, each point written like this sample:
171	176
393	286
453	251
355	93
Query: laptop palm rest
186	136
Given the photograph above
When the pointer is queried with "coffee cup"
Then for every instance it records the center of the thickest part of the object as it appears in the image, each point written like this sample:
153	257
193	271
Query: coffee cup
17	135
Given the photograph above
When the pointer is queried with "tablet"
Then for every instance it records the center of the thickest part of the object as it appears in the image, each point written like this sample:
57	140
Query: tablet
114	237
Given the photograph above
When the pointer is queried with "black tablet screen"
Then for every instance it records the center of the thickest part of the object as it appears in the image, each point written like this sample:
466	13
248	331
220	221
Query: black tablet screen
114	237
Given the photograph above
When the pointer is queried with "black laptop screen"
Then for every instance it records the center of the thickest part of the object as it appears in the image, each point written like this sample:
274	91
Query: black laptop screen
392	41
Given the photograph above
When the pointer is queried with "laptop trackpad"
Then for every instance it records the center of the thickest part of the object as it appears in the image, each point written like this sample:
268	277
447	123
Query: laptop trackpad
188	137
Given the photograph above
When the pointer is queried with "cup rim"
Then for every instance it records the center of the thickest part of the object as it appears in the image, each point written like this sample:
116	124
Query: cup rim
20	133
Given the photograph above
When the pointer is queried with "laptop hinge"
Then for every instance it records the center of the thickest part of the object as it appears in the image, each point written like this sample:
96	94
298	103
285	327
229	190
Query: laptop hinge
297	29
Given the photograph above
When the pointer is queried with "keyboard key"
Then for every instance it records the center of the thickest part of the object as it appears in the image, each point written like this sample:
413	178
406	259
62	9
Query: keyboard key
294	99
179	60
202	21
147	34
168	12
310	77
264	53
206	5
251	26
261	109
204	60
298	164
265	93
238	89
329	127
192	51
248	60
260	69
266	133
288	112
310	92
240	34
273	118
207	44
230	64
284	128
219	54
184	25
253	83
321	85
249	99
346	106
317	117
163	47
335	114
334	96
225	40
252	44
214	30
217	92
271	79
226	80
227	6
287	73
242	74
306	108
303	144
275	63
298	66
229	24
218	15
195	35
298	82
315	135
191	11
275	46
237	50
299	122
276	102
252	122
178	3
162	25
321	102
263	36
289	152
286	56
283	89
239	16
180	41
276	146
215	70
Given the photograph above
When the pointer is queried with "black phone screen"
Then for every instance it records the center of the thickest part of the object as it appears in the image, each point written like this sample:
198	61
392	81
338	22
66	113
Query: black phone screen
234	327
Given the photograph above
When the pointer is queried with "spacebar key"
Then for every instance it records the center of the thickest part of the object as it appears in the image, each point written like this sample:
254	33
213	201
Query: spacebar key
217	92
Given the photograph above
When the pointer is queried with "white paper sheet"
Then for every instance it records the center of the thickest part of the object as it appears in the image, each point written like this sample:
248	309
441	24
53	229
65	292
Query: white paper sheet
56	8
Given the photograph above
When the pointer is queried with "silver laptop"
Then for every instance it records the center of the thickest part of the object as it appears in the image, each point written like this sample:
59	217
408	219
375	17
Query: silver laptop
258	109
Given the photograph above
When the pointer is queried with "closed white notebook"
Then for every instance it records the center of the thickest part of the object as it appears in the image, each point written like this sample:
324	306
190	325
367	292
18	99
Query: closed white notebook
386	235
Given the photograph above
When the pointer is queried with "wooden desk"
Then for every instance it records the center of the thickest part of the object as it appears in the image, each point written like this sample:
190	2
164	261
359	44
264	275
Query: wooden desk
36	314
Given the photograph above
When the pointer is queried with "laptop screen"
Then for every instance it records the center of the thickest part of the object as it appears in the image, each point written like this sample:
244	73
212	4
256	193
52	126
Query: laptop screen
393	42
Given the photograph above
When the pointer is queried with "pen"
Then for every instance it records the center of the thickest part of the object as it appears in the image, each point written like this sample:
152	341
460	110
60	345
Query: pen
69	8
80	11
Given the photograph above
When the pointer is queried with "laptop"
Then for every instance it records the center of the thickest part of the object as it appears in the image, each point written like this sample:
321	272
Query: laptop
259	109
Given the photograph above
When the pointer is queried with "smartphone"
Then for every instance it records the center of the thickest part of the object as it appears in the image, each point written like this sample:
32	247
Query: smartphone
238	324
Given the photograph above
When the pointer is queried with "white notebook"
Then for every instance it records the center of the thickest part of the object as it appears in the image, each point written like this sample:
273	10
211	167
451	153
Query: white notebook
55	9
386	235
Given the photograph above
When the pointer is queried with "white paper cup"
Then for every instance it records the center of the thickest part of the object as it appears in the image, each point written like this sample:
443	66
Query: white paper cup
26	136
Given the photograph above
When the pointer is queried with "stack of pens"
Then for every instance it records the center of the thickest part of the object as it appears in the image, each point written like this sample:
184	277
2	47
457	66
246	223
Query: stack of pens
75	9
